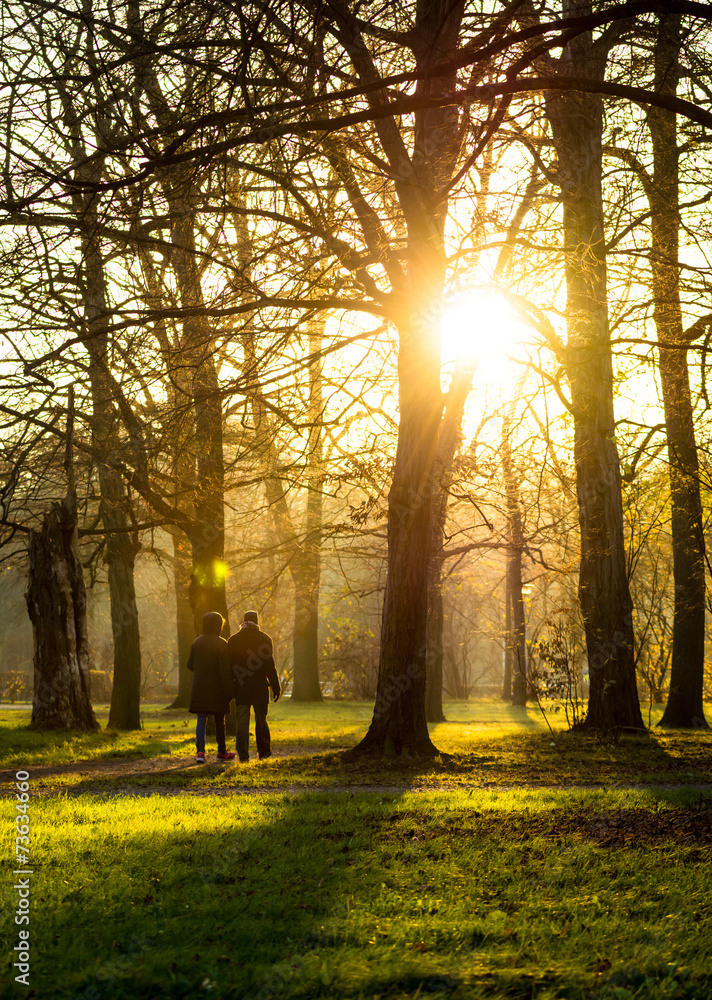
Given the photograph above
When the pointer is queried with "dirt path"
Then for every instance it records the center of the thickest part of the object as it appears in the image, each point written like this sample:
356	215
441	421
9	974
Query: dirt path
119	767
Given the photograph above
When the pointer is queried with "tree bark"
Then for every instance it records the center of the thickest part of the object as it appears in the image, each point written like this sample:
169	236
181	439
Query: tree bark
517	636
508	651
684	707
185	624
305	552
125	708
305	684
57	605
124	712
56	601
449	440
577	122
399	723
209	571
434	711
121	547
183	470
207	587
307	567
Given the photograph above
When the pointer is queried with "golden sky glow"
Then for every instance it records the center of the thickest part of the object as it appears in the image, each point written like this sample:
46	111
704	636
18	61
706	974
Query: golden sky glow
478	325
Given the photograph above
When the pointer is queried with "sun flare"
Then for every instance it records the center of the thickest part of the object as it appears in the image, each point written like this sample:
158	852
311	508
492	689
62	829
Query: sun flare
481	328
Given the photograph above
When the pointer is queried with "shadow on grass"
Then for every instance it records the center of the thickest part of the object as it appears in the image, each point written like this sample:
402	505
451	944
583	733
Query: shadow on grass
20	744
301	897
240	908
508	761
525	756
523	715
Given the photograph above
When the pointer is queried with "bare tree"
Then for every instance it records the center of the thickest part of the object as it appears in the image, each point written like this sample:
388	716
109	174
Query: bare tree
577	124
684	707
56	601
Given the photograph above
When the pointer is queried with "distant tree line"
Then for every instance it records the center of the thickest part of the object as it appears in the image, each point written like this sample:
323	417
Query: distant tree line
230	239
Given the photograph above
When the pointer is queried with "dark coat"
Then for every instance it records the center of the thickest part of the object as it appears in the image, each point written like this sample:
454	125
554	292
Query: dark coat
252	663
211	690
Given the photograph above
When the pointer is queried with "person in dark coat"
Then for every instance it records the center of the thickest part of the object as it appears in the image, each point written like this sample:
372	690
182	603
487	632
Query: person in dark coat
211	690
251	659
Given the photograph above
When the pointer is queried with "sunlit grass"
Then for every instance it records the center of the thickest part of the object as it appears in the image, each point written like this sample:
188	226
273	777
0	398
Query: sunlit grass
329	725
361	895
488	743
343	723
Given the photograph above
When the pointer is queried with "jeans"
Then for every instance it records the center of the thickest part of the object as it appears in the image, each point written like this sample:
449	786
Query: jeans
219	731
261	730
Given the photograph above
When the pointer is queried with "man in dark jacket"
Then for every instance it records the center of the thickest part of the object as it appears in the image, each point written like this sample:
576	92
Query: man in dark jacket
252	663
211	690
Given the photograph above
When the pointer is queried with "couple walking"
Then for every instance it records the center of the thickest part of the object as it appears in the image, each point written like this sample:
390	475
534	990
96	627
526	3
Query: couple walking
241	668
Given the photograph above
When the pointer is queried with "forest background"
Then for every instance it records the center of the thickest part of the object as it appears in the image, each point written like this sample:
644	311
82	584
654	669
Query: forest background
391	322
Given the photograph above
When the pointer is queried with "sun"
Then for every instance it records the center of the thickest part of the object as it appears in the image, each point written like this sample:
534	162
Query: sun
480	328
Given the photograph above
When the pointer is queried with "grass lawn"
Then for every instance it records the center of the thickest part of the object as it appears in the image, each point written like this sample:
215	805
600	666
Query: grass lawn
489	743
519	894
167	732
499	871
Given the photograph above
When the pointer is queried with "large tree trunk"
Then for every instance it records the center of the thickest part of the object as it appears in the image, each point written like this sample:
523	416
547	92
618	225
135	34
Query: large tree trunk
125	709
57	605
508	650
306	571
684	707
121	547
183	468
185	625
449	440
304	553
56	601
207	587
124	712
114	503
434	711
576	121
517	636
306	574
305	685
399	724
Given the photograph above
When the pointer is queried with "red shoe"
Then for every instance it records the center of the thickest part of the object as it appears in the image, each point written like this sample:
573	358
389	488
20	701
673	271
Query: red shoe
200	757
225	756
